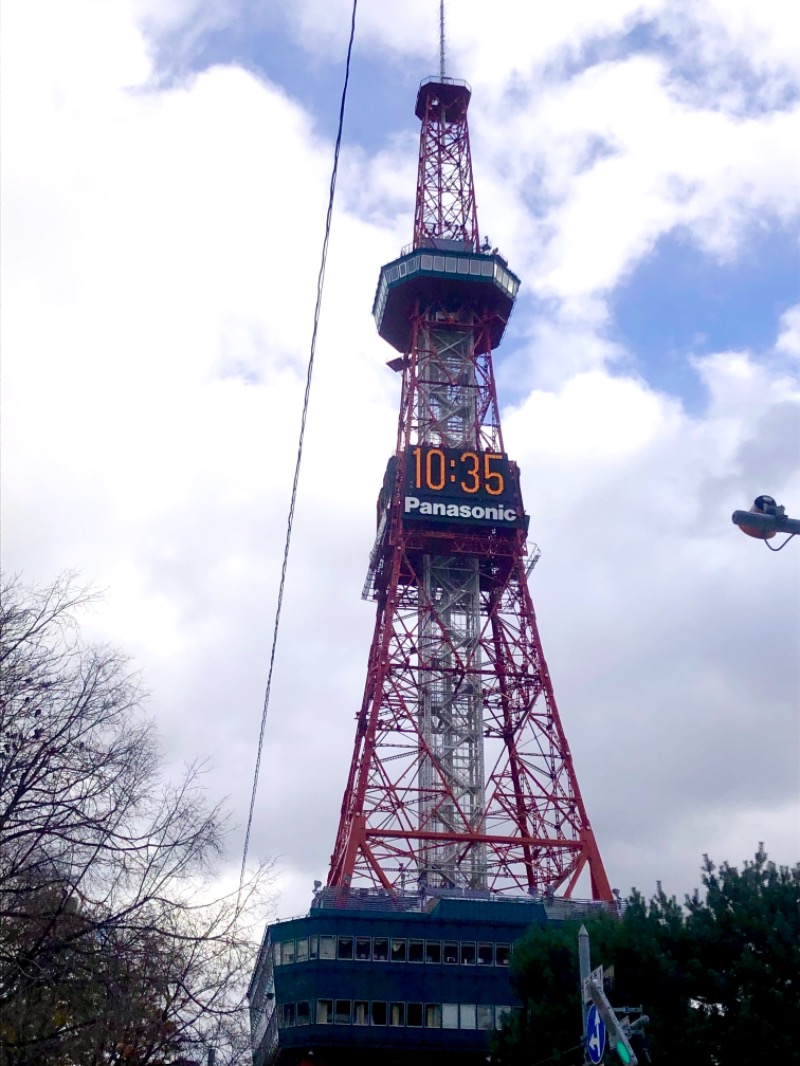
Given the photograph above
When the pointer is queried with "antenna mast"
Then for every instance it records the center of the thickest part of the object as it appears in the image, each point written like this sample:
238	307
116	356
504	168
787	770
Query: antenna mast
441	39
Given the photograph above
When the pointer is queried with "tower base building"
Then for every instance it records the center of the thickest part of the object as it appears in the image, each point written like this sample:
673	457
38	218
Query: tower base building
413	979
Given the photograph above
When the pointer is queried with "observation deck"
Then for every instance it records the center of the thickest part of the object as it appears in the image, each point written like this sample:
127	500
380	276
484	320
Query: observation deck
453	94
448	273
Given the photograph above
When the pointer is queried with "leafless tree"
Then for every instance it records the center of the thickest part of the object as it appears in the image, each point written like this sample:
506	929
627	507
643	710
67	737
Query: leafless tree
110	949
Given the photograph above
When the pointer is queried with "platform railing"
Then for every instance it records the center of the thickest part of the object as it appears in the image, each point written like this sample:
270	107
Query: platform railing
379	900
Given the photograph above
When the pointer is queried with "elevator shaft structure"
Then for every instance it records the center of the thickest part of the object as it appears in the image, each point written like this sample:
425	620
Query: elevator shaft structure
461	776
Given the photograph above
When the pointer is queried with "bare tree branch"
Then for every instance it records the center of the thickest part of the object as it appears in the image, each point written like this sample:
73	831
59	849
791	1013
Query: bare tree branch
112	948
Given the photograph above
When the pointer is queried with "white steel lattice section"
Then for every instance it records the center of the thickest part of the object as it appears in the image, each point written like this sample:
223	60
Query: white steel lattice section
451	772
453	400
450	705
447	401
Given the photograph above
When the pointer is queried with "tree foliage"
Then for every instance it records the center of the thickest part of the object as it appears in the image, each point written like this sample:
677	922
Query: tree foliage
112	949
718	976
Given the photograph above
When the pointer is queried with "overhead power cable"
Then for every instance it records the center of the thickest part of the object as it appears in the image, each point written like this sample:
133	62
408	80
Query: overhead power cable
290	520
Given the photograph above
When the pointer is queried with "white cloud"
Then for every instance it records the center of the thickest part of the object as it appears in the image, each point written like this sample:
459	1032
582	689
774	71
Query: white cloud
160	256
789	337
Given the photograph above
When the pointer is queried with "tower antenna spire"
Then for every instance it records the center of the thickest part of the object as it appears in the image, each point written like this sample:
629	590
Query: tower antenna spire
441	39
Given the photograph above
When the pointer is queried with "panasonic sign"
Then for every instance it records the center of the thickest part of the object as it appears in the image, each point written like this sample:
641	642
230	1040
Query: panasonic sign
415	508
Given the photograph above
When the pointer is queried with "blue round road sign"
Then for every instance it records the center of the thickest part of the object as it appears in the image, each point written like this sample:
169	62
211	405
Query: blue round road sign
595	1034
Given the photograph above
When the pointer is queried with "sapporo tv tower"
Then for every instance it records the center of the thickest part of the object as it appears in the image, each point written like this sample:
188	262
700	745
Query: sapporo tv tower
462	821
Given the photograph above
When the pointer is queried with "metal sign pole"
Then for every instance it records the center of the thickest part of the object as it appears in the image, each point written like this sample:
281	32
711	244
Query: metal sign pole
585	964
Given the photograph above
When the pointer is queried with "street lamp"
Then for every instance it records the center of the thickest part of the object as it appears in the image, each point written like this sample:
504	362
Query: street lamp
764	520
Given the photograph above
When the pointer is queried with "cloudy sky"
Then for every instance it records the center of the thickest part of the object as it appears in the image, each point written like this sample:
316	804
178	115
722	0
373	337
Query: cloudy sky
165	172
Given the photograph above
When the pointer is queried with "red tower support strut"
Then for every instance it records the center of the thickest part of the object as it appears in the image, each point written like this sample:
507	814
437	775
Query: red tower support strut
461	774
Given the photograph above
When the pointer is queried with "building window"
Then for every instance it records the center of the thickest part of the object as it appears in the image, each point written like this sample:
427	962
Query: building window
467	954
363	948
433	1016
313	947
398	950
342	1012
502	954
288	1014
303	1012
360	1012
500	1014
485	1017
288	952
379	1014
467	1013
276	954
397	1014
414	1015
416	950
324	1011
302	950
345	947
380	949
449	1016
450	951
433	951
485	954
327	947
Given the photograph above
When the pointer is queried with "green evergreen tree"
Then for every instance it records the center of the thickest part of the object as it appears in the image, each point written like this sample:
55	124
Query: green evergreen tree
718	977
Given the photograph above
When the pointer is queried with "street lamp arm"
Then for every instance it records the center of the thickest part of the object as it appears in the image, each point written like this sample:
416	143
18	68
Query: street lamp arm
764	525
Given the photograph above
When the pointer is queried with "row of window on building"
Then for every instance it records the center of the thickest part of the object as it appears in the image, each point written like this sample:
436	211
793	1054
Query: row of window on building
391	949
380	1013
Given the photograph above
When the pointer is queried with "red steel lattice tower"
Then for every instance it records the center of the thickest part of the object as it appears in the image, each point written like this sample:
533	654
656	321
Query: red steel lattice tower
461	775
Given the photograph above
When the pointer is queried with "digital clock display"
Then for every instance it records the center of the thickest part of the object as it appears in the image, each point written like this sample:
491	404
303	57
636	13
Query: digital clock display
461	485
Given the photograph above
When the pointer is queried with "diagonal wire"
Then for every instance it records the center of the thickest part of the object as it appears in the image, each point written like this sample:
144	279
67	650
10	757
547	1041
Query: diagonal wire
290	520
